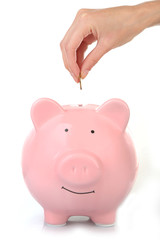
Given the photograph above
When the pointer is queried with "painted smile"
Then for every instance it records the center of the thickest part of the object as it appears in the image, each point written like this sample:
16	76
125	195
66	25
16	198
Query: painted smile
77	192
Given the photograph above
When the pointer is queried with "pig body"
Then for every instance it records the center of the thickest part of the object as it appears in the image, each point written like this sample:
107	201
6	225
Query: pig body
79	160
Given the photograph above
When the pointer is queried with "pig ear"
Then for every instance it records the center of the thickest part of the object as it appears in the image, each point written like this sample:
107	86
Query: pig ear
44	109
117	111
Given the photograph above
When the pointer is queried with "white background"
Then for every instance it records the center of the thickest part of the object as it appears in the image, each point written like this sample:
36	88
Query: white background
31	67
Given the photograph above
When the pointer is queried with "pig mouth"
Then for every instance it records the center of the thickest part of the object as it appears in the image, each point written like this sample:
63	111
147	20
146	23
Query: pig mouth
77	192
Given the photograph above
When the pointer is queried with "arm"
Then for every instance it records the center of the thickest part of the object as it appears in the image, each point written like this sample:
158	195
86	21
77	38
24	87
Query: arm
149	13
110	27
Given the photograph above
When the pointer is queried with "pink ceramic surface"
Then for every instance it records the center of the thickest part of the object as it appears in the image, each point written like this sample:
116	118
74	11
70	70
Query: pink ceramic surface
79	160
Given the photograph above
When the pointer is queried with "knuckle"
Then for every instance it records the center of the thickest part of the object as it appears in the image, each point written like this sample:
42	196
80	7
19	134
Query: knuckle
62	44
83	14
68	47
81	11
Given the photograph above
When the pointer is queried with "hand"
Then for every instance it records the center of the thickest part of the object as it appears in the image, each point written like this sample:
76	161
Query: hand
111	28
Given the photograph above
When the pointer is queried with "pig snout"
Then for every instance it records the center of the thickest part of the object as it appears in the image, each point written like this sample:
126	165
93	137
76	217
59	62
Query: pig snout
79	169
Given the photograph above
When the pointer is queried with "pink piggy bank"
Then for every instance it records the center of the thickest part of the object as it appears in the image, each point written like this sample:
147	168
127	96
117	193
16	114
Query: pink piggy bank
79	160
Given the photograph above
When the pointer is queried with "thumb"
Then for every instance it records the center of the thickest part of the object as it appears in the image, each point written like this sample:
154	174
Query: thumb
92	58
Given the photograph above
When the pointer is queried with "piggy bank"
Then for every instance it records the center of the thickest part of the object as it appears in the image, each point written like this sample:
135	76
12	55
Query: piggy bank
79	160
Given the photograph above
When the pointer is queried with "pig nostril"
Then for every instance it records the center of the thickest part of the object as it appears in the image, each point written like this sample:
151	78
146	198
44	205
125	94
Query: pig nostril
83	169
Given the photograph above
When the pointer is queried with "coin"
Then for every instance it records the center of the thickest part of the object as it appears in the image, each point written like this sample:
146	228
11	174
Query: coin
80	82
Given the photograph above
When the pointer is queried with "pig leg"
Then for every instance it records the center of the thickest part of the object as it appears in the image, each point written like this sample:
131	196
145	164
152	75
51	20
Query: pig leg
105	220
54	218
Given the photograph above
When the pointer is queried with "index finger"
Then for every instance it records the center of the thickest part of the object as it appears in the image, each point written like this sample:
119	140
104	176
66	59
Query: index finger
69	47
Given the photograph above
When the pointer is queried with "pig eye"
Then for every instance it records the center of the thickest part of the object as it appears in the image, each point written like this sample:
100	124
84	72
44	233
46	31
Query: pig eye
66	130
92	131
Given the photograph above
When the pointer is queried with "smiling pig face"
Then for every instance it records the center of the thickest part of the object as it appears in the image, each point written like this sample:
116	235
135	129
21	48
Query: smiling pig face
79	160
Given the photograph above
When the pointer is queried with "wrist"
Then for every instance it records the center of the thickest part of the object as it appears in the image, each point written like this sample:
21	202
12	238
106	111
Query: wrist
148	14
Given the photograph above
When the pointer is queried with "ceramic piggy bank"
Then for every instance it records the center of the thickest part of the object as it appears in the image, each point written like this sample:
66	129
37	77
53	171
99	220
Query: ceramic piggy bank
79	160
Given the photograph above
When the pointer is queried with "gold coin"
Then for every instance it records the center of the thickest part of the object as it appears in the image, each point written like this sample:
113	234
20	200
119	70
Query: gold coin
80	82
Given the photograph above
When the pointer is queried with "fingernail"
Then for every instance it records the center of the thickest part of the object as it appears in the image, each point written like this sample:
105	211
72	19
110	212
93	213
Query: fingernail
74	77
84	74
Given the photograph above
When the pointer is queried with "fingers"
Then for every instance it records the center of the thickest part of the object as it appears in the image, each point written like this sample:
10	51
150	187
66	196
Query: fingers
69	47
80	53
73	45
73	57
76	42
69	59
93	57
83	47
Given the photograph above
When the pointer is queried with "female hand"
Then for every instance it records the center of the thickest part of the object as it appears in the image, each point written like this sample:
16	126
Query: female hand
110	27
